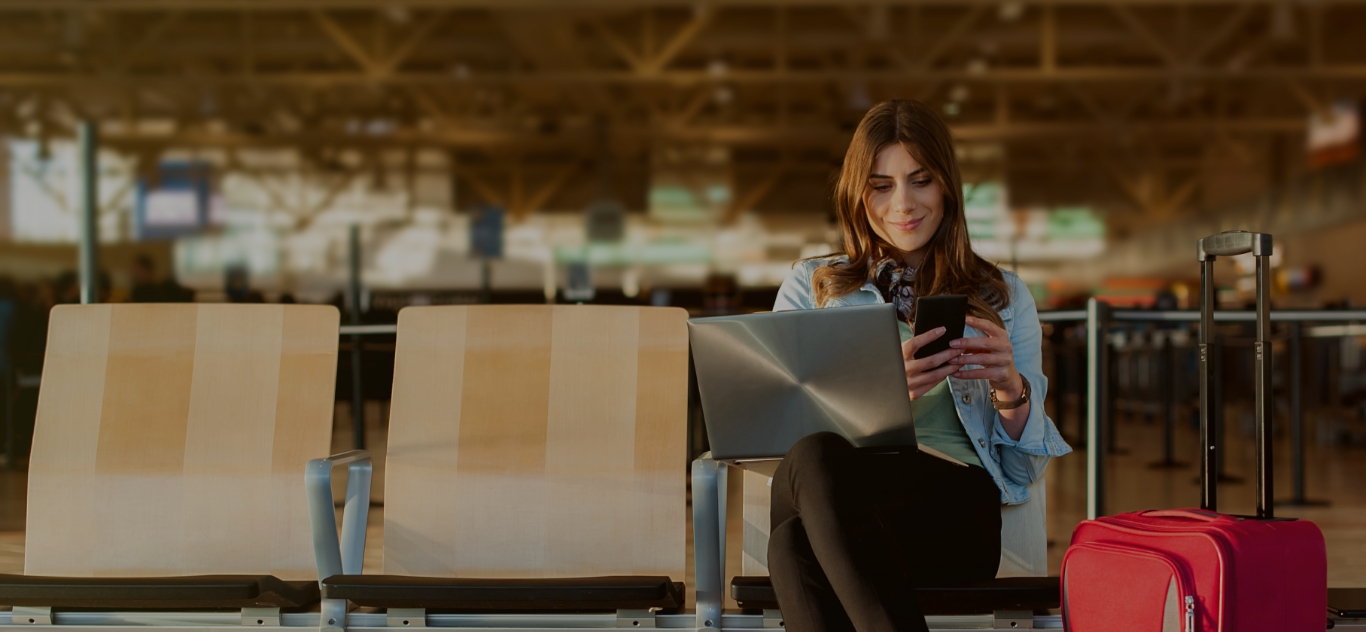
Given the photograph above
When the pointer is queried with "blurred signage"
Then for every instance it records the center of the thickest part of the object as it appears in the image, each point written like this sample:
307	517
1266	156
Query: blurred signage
486	233
1027	235
606	221
689	184
1334	135
579	284
174	202
658	253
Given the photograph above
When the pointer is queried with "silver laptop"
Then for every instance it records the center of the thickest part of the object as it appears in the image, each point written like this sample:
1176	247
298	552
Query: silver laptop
767	380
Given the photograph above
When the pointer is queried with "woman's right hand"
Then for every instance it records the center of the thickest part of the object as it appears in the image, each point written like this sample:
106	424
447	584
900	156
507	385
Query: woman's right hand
926	373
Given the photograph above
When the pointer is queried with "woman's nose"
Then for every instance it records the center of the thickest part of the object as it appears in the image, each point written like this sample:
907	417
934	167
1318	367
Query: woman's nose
903	201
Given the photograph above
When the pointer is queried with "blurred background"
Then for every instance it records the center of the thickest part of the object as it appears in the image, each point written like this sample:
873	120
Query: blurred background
378	154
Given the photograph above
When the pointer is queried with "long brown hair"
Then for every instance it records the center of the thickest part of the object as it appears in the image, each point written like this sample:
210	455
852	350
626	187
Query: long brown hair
950	266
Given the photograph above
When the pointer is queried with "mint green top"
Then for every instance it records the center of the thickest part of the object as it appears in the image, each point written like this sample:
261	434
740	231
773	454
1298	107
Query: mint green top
936	419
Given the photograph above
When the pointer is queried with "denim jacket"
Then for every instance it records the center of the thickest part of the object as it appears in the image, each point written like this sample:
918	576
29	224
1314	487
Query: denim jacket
1013	464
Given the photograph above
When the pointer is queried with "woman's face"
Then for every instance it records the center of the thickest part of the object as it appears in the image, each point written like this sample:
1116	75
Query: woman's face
905	204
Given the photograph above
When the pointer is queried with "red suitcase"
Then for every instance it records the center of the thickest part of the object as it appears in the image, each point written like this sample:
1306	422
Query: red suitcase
1196	570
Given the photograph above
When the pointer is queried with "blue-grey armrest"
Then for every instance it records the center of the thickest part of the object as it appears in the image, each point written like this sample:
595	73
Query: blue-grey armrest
348	555
709	539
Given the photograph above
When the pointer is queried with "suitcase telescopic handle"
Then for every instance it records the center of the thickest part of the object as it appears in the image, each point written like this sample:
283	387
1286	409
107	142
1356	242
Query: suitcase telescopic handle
1235	242
1227	244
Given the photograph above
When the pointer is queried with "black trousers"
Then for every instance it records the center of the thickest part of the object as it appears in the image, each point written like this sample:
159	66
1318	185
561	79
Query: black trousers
853	534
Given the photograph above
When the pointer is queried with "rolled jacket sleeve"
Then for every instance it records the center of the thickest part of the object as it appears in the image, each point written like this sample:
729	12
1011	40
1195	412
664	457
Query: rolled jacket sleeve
1023	460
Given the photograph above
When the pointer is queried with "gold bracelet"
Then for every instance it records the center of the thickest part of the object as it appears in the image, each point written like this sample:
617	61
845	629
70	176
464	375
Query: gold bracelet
1024	398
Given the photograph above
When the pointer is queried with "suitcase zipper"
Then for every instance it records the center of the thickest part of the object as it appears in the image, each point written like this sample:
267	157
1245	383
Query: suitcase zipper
1190	613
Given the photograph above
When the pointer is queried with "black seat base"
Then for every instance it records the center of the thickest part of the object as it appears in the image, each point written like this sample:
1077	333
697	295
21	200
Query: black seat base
199	592
981	597
586	594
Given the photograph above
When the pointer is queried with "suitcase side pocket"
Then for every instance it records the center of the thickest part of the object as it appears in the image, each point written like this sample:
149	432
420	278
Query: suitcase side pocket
1114	587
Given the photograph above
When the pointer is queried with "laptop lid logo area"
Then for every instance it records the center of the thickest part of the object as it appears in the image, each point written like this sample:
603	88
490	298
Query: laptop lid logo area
767	380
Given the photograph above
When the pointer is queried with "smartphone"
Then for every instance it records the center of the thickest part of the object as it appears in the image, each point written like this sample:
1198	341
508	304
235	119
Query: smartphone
949	311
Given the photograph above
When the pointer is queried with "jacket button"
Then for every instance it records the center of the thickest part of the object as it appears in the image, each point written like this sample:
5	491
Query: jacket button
967	398
982	442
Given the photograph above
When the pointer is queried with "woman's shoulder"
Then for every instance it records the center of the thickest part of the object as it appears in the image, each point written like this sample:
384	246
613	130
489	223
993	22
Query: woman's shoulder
809	266
1020	297
796	292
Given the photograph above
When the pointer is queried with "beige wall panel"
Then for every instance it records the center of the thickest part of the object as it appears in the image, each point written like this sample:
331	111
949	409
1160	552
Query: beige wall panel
194	442
551	478
424	440
757	493
62	462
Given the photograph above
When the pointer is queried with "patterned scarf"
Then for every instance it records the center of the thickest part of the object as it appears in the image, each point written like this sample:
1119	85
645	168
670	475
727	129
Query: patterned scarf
894	281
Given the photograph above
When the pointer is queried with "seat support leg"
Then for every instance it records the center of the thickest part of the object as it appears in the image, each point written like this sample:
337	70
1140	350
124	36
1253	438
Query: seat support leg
709	539
332	617
32	615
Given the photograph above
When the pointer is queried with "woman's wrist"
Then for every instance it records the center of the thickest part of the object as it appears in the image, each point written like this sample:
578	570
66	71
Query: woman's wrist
1012	391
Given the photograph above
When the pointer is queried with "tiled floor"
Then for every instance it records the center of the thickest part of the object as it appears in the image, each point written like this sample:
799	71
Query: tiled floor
1335	473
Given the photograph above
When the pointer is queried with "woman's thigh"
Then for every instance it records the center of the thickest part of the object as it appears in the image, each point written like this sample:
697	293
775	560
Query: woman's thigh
946	517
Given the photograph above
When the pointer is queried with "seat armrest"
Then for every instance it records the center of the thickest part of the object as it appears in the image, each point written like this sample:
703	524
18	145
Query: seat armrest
346	556
709	538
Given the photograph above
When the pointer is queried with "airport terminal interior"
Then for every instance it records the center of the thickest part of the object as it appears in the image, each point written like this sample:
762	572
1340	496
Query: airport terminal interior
408	181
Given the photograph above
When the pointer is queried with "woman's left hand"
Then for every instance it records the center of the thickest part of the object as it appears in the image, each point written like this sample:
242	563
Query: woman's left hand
996	356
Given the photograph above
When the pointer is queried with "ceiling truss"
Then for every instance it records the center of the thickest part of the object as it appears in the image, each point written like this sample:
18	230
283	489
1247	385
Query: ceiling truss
1147	97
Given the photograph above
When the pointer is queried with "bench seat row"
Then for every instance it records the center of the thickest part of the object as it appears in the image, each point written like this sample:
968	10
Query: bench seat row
533	466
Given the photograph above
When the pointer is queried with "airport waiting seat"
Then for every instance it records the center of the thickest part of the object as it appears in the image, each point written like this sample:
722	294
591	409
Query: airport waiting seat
166	457
1021	587
534	465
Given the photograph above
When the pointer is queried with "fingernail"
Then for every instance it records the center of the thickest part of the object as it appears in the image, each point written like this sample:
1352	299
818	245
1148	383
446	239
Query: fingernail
940	330
956	343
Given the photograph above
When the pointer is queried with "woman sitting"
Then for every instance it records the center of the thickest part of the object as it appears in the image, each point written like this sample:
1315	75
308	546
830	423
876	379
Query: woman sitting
853	534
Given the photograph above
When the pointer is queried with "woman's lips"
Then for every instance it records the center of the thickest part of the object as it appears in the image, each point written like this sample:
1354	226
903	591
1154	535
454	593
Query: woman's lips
908	226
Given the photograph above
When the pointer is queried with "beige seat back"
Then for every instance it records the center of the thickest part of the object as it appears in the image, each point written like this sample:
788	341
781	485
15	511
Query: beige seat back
171	439
538	441
1024	535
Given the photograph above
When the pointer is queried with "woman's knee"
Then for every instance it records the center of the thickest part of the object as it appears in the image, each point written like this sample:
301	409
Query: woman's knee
787	543
814	467
820	450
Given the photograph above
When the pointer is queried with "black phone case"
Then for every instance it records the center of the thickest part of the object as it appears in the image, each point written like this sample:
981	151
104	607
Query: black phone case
949	311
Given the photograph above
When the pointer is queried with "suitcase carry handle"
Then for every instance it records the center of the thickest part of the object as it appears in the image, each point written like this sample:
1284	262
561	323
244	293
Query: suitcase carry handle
1190	514
1232	243
1235	242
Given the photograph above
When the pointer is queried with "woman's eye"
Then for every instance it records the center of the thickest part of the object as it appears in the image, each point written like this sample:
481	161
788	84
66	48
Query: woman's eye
882	188
921	183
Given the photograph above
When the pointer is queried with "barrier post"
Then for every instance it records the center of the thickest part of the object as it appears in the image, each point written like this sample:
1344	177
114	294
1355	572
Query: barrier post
1097	403
1296	359
89	138
7	382
357	380
1112	386
1166	384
